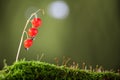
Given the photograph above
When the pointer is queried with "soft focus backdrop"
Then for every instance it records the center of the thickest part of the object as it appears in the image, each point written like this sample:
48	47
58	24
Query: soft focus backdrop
84	30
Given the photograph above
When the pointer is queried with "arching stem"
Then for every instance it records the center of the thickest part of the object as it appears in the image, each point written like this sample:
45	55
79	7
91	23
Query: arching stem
24	30
26	34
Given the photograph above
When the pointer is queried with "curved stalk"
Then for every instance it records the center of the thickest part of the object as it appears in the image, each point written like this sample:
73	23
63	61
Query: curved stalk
24	30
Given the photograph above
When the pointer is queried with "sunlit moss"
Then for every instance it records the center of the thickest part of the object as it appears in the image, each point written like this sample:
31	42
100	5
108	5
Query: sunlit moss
36	70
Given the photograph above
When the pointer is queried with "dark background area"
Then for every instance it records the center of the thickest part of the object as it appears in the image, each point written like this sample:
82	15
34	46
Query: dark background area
89	34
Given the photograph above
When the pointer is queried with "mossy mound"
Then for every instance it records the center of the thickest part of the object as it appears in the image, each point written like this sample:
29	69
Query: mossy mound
35	70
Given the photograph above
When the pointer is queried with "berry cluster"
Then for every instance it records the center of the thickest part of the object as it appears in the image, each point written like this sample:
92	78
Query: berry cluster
32	32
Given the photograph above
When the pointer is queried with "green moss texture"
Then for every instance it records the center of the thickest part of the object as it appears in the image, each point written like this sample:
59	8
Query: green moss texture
36	70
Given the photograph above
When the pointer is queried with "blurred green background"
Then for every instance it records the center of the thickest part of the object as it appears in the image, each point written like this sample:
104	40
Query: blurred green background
90	33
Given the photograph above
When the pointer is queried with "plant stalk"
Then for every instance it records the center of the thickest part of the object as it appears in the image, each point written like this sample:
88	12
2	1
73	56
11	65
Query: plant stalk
24	30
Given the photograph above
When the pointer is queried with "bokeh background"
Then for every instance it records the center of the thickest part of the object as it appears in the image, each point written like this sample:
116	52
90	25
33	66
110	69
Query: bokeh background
84	30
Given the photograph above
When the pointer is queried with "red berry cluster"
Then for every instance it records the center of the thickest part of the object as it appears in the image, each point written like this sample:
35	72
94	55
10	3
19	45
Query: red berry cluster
32	32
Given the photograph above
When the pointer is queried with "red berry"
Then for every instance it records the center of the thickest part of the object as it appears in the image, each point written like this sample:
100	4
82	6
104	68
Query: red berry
36	22
28	43
32	32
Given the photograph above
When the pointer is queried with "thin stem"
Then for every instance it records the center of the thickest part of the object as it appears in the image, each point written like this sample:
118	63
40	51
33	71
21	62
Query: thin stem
26	33
35	15
21	40
41	57
43	12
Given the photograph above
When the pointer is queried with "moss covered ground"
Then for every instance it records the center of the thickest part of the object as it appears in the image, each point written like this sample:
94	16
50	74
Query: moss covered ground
36	70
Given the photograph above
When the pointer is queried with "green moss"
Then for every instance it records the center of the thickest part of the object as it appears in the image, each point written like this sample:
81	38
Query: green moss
35	70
